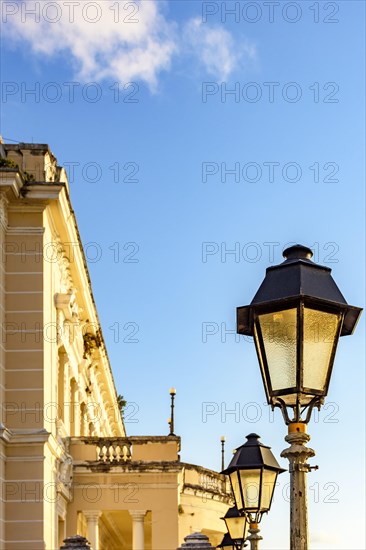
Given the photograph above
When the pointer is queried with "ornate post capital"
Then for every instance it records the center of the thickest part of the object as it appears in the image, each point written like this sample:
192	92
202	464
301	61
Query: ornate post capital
137	515
298	453
92	516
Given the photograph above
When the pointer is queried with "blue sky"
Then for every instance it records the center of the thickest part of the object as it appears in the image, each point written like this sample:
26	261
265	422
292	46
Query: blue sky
151	189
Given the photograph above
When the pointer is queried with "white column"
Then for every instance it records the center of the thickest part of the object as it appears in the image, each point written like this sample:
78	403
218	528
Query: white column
138	537
92	527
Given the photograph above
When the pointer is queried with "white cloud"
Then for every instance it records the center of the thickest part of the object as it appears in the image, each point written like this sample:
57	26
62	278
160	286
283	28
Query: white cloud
128	40
125	45
216	48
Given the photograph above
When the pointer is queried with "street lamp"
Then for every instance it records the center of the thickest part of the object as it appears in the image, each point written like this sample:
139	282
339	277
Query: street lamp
296	318
172	392
253	472
237	526
222	439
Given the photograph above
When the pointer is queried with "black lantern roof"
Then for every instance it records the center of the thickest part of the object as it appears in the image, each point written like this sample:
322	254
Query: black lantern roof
226	542
232	512
298	277
253	454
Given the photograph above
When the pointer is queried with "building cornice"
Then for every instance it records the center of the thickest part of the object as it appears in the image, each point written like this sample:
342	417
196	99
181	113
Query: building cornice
133	440
23	437
42	191
25	230
136	467
11	181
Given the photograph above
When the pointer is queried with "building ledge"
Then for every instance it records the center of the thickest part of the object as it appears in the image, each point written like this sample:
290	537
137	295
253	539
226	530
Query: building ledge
119	450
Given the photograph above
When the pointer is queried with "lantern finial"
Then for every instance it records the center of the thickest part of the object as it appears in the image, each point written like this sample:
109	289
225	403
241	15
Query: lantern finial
253	439
297	252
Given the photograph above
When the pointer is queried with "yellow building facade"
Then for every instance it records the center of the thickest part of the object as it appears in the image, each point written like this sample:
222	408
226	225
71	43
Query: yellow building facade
67	465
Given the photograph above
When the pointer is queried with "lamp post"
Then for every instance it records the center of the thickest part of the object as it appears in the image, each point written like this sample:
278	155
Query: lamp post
253	472
296	318
172	392
222	439
237	526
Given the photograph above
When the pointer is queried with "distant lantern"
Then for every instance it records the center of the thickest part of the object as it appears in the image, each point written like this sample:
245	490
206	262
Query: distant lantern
237	525
253	472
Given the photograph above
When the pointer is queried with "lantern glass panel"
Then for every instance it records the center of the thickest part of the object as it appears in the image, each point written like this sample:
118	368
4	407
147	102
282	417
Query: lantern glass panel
236	490
279	332
268	483
251	483
320	333
235	526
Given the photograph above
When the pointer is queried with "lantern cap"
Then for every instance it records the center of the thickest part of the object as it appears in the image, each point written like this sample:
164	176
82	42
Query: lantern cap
253	439
297	279
297	252
253	455
233	512
227	541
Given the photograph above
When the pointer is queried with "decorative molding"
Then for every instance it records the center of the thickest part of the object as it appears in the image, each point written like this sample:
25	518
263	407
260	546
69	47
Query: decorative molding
11	179
22	437
65	303
5	433
43	191
63	262
91	343
4	211
33	458
25	207
61	507
138	515
61	432
68	311
92	516
64	475
25	230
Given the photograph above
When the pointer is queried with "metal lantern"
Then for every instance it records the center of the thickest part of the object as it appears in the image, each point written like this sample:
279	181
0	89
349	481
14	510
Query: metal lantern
253	472
237	525
296	318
